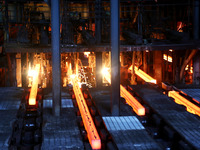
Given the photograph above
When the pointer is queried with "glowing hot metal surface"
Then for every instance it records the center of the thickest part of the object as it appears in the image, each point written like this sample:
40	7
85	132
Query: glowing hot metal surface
33	93
92	133
143	75
137	107
192	108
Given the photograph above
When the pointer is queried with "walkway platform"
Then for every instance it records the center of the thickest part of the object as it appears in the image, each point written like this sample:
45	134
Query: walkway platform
60	133
194	93
9	105
126	130
128	133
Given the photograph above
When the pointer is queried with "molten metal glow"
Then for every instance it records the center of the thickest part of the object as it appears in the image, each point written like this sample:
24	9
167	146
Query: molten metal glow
92	133
144	76
137	107
192	108
31	73
33	93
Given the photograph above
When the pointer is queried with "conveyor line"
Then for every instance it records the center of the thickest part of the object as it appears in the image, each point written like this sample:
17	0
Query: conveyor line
176	117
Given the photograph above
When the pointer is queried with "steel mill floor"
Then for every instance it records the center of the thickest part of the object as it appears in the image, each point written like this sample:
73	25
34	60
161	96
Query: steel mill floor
10	98
128	130
60	133
174	117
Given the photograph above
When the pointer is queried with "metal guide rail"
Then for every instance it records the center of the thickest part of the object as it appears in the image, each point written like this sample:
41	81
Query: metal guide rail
173	122
90	122
27	129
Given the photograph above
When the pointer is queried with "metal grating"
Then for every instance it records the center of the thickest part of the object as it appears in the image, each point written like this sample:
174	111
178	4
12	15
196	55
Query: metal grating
194	93
183	122
122	123
65	103
128	133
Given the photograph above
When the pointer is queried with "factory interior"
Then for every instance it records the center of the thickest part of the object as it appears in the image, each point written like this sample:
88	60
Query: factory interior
100	74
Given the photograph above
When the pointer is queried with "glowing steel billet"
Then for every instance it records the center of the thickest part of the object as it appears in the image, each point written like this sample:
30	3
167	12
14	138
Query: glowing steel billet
92	133
137	107
33	93
144	76
183	101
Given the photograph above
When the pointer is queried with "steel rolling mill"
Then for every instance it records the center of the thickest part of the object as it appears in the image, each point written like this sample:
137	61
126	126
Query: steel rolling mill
99	75
160	113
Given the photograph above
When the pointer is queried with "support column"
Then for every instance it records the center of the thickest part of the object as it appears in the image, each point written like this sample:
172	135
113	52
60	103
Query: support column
6	35
115	63
24	69
98	21
18	70
145	61
56	60
196	20
196	67
122	59
98	69
157	66
133	76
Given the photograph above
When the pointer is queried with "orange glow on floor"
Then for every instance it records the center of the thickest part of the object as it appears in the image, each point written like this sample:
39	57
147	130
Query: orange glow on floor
137	107
192	108
33	93
92	133
143	75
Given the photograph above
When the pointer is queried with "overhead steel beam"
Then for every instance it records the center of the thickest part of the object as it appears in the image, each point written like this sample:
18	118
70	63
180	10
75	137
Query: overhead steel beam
196	20
56	70
115	63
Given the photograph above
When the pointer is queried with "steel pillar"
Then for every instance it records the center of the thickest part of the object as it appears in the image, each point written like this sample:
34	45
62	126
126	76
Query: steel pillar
115	63
98	21
196	20
6	36
56	60
98	69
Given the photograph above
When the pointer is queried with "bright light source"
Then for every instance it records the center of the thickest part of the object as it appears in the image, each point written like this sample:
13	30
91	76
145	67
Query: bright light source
186	68
33	93
31	73
104	70
167	58
87	54
72	76
106	74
